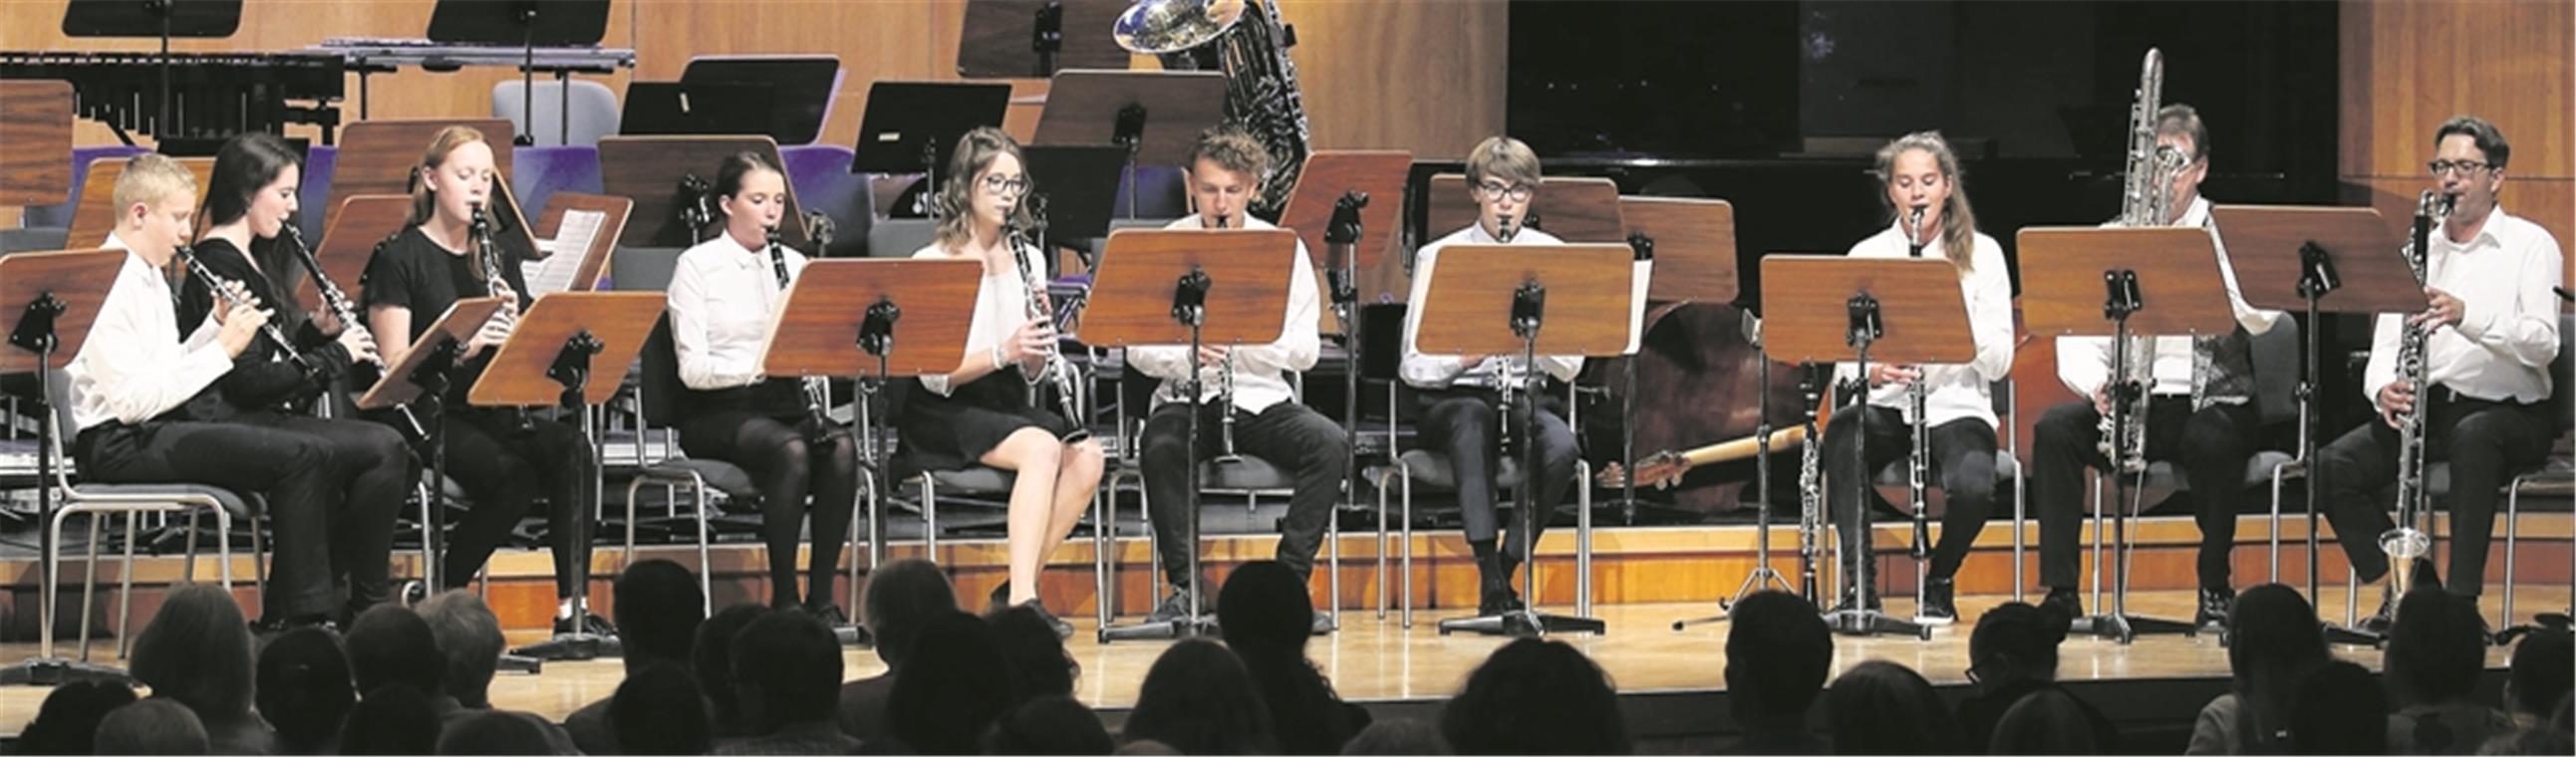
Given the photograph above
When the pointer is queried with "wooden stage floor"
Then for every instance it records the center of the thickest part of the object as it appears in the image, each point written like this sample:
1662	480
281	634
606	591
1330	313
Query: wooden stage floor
1373	660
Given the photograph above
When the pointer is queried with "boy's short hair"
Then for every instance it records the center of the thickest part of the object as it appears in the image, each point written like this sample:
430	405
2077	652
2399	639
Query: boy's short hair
1503	158
150	178
1231	149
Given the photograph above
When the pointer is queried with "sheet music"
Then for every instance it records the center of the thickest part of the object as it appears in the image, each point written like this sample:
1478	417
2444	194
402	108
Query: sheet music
572	242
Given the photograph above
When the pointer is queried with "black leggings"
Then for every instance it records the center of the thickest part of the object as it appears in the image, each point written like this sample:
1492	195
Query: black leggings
503	469
787	467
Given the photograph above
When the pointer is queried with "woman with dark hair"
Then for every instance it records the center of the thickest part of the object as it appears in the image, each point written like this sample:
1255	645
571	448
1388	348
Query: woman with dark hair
249	216
980	412
723	297
1197	699
2339	708
2274	639
711	660
1880	707
957	687
67	722
2012	656
504	460
2437	648
1928	216
197	652
1267	617
1039	665
1536	696
304	689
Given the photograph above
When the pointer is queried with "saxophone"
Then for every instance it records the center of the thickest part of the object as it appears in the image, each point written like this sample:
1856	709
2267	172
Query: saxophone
2407	542
2146	200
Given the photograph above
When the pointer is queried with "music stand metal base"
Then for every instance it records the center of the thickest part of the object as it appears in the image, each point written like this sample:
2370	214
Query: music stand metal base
1762	577
571	646
1523	622
2359	637
854	635
1160	630
55	671
2127	628
517	663
1873	623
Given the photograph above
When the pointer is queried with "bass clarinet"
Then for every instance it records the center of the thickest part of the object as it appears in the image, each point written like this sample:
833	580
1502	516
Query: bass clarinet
2408	541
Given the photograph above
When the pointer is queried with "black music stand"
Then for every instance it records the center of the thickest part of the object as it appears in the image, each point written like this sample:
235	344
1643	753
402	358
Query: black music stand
1162	288
162	19
1025	38
658	108
2299	259
48	301
913	127
1499	305
1080	184
528	23
1828	308
2153	281
800	86
846	318
556	356
1154	115
670	178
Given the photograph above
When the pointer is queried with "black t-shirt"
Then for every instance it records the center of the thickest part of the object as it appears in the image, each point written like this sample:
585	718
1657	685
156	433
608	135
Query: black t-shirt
413	272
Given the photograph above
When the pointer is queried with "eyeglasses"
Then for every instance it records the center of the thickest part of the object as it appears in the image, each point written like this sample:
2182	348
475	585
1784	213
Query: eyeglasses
1012	186
1518	192
2464	167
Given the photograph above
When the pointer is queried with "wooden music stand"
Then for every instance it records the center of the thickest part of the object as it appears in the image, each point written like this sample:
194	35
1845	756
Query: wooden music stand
1694	246
2318	260
1377	175
650	170
95	216
1157	114
2161	281
1576	299
404	383
1017	38
48	301
1577	209
1834	308
381	157
613	212
358	226
555	356
35	137
1160	288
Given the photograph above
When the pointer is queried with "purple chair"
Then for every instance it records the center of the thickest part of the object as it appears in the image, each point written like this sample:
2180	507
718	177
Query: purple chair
822	179
1161	192
537	173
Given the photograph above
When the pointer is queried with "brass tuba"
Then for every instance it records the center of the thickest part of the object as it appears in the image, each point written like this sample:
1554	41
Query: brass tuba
1247	41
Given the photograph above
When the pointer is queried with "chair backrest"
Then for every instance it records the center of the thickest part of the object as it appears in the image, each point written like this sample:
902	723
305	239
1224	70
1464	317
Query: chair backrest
823	182
658	388
593	109
2562	372
2276	371
539	172
642	269
321	162
900	237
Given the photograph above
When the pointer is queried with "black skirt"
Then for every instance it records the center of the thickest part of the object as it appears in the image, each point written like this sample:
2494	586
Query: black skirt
955	431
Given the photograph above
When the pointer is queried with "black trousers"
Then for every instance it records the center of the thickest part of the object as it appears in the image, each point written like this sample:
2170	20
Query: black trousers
775	451
1293	436
2484	441
2211	446
503	470
332	489
1467	424
1963	460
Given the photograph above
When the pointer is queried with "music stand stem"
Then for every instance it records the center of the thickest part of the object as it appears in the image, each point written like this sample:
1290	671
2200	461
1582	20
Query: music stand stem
1762	576
572	370
36	331
2119	624
1521	399
1859	618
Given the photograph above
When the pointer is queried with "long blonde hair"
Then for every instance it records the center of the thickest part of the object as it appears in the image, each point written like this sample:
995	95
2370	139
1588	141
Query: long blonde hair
424	203
1958	221
975	152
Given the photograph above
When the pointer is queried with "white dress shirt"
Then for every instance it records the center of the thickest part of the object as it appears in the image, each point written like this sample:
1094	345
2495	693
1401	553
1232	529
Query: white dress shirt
1442	371
723	299
2084	362
1260	370
134	364
2508	329
1001	305
1955	391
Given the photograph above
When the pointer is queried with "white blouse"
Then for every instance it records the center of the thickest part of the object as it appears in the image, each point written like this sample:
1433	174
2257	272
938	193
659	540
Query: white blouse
723	299
1001	305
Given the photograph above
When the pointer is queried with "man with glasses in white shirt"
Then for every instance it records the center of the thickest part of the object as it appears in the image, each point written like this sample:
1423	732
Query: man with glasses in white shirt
2494	331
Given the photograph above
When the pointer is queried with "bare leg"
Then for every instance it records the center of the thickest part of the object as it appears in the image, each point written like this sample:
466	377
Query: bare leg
1077	479
1033	454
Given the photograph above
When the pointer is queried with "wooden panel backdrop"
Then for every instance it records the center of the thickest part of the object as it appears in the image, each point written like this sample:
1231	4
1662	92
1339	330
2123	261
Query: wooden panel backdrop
1425	77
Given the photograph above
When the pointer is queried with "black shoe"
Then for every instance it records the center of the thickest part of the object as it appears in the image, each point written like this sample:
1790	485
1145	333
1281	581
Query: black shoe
1001	597
1848	604
590	624
2214	606
1323	624
1940	605
2066	599
268	626
1498	600
1063	630
830	613
2379	622
1176	607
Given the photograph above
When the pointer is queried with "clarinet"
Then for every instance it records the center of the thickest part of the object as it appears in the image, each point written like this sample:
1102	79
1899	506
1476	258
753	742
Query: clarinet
1068	388
818	394
1811	490
276	338
1225	400
1919	461
337	301
488	254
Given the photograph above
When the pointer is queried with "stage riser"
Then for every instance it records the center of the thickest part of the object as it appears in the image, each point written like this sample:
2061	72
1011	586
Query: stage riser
1701	564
